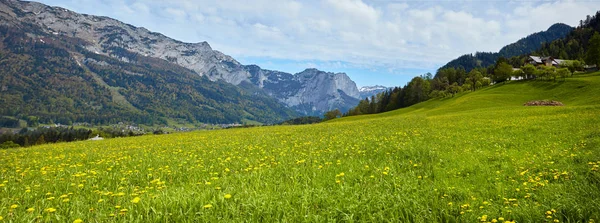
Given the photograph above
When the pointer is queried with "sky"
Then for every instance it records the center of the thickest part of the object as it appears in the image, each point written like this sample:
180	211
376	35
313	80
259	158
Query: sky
376	42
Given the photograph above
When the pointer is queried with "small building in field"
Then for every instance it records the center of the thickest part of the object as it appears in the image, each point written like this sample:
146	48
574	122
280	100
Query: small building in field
544	61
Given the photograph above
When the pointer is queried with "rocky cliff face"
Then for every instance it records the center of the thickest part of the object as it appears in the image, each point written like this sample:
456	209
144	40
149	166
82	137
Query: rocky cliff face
102	35
310	92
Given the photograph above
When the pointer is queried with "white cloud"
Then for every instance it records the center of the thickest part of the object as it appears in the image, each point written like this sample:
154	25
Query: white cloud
390	35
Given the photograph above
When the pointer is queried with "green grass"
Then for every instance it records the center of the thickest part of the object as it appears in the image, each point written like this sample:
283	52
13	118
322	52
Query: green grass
445	160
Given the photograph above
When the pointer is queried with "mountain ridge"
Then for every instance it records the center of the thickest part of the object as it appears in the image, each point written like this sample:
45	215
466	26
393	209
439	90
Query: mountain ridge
525	45
110	37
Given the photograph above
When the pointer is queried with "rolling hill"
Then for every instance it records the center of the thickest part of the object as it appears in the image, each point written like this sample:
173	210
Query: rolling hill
475	157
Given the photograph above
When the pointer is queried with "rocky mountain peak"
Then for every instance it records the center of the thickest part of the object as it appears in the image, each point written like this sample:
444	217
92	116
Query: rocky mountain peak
312	88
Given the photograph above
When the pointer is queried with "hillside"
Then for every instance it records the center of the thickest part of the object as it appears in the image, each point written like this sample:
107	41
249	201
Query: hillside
523	46
124	42
57	81
575	45
475	157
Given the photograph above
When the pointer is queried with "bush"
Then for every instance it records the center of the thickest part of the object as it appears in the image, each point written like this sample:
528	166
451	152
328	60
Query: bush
8	145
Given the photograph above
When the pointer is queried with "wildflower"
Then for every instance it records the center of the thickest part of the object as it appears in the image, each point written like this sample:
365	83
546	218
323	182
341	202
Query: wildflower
30	210
14	206
136	200
78	220
66	200
483	218
50	210
124	210
101	200
1	218
500	219
208	206
227	196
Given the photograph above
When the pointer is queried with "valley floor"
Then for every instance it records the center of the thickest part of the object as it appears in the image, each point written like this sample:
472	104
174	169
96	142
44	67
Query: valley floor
477	157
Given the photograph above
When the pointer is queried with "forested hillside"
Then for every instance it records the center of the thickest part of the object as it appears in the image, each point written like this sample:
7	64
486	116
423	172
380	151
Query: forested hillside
575	45
525	45
469	73
53	80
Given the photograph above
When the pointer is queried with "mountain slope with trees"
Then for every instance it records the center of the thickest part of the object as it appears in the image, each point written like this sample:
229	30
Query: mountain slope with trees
54	80
525	45
581	43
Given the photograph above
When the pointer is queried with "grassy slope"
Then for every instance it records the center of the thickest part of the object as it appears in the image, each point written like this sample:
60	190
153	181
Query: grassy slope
445	160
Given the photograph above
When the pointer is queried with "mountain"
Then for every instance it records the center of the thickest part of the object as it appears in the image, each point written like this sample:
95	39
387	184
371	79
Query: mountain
524	46
112	38
309	92
54	77
575	45
368	91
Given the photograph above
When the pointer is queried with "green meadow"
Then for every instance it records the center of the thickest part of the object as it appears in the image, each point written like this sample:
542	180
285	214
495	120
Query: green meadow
477	157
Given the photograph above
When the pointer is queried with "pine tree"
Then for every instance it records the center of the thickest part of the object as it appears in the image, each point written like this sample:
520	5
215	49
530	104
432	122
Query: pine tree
593	52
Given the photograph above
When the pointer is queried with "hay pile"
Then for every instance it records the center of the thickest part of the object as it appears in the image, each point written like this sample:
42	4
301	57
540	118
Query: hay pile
543	103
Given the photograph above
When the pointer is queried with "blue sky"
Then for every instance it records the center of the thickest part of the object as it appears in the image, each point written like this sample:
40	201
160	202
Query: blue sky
373	41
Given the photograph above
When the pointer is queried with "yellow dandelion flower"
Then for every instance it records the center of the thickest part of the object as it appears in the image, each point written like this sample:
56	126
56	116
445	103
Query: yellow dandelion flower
117	207
548	212
208	206
136	200
66	200
124	210
78	220
14	206
227	196
30	210
1	218
50	210
494	220
101	200
500	219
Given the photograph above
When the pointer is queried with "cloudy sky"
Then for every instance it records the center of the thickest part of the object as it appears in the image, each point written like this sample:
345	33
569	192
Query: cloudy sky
384	42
